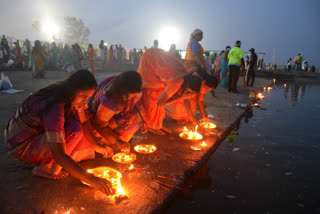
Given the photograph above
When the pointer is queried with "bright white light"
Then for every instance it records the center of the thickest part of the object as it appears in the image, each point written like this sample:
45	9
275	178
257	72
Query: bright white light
168	36
50	29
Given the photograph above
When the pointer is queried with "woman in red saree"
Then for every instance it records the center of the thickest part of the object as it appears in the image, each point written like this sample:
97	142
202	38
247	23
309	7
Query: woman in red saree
92	57
50	129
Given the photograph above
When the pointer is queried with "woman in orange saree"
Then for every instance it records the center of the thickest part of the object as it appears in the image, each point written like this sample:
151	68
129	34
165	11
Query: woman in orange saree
162	75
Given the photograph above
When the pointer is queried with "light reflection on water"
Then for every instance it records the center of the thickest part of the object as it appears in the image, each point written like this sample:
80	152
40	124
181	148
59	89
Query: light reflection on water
276	168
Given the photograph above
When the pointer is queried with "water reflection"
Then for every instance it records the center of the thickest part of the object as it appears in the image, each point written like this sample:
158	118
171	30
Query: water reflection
201	180
296	91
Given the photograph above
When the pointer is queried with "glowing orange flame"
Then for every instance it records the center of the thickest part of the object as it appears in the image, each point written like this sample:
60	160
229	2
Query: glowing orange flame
131	167
203	143
195	148
274	80
120	191
190	135
260	96
110	174
208	125
269	88
145	148
285	85
124	157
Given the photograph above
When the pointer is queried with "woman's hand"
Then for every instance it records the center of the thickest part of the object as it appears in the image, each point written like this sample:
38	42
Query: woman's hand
144	127
124	146
106	151
101	184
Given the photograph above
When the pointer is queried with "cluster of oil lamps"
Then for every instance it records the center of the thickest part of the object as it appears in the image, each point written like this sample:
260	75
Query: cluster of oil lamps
114	176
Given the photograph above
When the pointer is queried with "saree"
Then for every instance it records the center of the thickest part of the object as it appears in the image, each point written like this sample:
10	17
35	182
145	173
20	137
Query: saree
158	69
125	120
190	55
224	73
27	135
38	63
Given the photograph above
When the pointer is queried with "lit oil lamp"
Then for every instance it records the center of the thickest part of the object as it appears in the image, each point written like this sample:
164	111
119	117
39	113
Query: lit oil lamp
196	148
145	149
274	81
190	135
124	157
131	167
203	143
110	174
259	96
269	88
285	85
256	105
208	125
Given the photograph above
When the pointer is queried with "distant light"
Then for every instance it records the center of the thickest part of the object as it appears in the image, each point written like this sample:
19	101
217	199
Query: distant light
50	29
105	44
167	36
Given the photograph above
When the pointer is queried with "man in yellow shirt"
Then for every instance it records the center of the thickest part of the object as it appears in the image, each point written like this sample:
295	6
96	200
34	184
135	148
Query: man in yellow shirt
236	61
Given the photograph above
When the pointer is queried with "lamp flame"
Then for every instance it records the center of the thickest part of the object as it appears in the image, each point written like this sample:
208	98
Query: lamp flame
131	167
260	96
190	135
203	143
119	188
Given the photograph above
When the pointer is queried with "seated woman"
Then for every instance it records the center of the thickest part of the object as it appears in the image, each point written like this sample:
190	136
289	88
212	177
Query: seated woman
50	129
114	109
193	90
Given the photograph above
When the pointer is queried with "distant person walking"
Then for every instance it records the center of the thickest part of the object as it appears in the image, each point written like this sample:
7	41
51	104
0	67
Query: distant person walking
289	64
252	67
236	61
195	51
92	56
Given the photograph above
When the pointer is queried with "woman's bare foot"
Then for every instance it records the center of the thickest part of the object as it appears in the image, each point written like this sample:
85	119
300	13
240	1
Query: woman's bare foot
37	171
157	132
166	130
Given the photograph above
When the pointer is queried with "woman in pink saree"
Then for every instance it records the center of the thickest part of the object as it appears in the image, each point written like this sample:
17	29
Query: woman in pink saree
115	109
50	129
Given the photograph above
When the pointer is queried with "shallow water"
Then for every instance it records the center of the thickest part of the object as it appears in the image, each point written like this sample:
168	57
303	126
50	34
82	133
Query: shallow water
272	166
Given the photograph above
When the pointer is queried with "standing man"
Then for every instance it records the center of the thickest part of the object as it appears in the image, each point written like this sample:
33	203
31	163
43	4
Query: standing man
300	58
289	64
101	46
236	61
27	45
155	44
5	44
252	67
